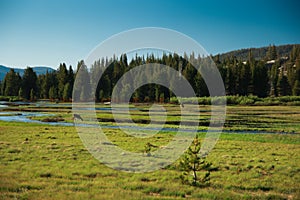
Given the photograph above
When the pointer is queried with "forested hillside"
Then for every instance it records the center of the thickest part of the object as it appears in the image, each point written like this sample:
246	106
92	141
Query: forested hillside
258	53
274	74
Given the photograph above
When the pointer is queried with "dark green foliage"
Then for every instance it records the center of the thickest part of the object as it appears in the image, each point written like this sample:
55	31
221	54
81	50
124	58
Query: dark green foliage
82	86
260	53
53	93
29	82
62	78
20	93
260	80
295	53
283	86
271	53
46	82
296	88
11	84
32	95
274	79
201	88
245	79
67	93
244	73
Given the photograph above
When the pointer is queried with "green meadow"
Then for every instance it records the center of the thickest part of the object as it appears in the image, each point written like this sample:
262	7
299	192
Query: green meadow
41	161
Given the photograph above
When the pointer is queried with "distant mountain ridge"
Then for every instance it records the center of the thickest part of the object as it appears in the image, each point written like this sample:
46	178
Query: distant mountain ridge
258	53
38	70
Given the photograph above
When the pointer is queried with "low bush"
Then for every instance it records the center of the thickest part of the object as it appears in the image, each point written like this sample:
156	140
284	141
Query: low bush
242	100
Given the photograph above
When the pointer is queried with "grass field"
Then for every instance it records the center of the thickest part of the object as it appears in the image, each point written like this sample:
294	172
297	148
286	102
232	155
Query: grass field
50	162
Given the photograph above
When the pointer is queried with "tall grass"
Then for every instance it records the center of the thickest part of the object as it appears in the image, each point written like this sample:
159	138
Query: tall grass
10	98
241	100
53	164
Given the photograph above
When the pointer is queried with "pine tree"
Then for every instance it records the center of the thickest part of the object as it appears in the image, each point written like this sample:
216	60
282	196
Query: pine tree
274	79
201	88
192	162
297	70
83	97
52	93
245	79
283	86
105	86
71	78
67	93
82	86
101	95
295	53
11	83
190	74
272	53
260	80
29	81
32	96
296	88
20	93
230	83
45	85
62	78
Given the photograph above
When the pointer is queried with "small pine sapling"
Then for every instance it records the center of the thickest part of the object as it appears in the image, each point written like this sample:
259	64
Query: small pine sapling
192	163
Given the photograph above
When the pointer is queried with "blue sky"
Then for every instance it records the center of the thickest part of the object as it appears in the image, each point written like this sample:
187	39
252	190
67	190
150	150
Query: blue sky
48	32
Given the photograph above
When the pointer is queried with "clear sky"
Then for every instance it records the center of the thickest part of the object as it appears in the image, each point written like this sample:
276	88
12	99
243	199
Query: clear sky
48	32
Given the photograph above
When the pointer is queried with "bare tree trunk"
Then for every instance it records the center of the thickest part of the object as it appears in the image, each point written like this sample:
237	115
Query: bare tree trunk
195	174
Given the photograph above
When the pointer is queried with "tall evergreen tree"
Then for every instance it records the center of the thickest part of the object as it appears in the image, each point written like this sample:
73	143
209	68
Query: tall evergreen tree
32	95
21	93
71	79
245	79
272	53
29	82
45	85
11	83
190	74
240	78
230	83
67	93
53	93
95	74
260	80
82	86
296	88
202	89
283	86
62	78
295	53
274	79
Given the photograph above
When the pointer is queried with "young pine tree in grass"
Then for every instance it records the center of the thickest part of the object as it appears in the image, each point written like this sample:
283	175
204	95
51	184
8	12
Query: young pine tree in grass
192	163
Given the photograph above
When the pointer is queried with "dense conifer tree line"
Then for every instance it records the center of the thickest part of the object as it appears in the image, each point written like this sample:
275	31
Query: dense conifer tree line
270	76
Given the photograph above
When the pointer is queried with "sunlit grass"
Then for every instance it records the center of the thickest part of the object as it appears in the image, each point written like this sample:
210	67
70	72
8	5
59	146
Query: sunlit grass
50	162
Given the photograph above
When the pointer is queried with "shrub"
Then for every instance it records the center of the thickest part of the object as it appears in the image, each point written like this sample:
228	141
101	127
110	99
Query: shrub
218	100
174	100
243	100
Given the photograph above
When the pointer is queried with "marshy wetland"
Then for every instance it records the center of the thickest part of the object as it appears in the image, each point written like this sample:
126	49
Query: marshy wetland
256	157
